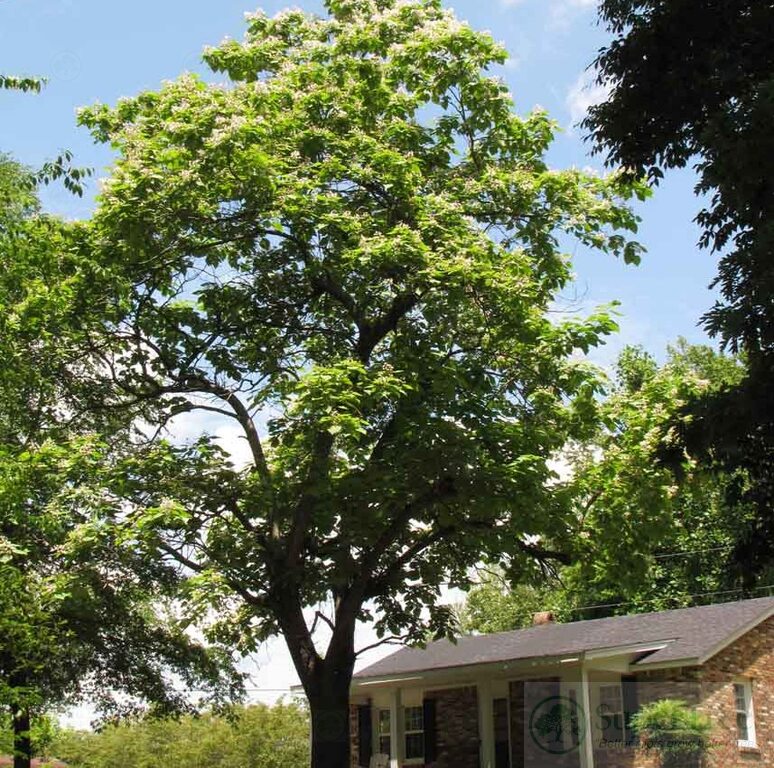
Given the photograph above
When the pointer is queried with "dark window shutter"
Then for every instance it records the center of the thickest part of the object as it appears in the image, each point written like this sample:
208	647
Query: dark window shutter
364	735
630	704
431	737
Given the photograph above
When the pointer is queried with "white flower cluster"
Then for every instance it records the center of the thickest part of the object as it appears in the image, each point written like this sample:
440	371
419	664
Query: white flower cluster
226	129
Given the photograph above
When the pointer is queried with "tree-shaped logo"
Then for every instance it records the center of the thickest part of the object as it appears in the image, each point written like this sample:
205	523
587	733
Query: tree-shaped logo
556	725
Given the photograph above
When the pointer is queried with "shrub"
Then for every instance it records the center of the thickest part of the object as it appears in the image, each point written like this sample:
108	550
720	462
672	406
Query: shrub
258	736
680	734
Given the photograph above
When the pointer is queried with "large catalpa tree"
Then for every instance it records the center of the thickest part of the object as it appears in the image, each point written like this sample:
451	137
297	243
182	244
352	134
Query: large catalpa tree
350	251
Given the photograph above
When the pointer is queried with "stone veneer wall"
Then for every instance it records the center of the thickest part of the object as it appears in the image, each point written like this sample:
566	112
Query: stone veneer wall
456	719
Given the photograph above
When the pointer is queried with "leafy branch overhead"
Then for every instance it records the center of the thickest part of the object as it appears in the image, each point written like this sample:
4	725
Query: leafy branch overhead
24	84
82	618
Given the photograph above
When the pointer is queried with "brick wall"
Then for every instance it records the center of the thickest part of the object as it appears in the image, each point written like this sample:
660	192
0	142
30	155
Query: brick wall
456	717
652	685
518	724
710	689
750	657
626	757
679	683
525	751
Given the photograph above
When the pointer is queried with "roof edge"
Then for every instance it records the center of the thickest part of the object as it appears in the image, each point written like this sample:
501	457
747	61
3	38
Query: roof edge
767	613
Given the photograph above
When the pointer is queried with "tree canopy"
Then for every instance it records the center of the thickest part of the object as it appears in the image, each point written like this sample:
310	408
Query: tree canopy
348	252
657	528
694	83
80	612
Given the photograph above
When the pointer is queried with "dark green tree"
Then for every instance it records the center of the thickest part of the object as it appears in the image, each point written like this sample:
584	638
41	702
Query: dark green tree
349	254
694	83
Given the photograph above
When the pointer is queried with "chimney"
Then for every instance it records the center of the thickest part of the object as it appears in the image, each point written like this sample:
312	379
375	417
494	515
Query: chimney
542	618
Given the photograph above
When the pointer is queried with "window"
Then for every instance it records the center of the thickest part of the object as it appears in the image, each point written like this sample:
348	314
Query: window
383	731
745	722
611	713
414	731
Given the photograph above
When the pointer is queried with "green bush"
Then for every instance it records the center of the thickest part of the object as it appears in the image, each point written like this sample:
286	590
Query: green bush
680	734
259	737
44	733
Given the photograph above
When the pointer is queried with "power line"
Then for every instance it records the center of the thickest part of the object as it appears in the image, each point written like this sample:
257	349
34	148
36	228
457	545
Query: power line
693	552
652	600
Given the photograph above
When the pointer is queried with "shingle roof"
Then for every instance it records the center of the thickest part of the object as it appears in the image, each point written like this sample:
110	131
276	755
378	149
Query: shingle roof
689	634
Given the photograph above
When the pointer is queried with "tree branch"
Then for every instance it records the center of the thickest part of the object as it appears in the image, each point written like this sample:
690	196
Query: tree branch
373	332
242	415
320	616
391	640
303	511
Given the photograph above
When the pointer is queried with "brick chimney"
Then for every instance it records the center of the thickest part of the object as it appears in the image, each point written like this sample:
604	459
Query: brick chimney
542	618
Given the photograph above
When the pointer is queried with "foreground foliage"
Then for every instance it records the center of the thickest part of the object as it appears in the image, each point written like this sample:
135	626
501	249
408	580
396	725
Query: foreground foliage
80	614
253	737
679	733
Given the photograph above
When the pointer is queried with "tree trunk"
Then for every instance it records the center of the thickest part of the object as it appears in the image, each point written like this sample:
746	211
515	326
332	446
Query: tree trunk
22	743
329	710
326	683
326	680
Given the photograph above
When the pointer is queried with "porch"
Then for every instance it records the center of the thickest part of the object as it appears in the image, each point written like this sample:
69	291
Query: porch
569	712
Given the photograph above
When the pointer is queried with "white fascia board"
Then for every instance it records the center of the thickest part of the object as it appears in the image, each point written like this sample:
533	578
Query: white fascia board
673	664
623	650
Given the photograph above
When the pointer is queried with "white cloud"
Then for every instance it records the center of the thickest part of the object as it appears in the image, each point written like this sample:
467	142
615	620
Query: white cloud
564	11
231	439
585	92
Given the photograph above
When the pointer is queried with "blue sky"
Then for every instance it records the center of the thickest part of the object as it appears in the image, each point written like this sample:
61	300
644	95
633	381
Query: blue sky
98	50
93	50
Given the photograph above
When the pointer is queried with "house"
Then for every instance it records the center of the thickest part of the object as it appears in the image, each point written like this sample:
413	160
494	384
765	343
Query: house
563	694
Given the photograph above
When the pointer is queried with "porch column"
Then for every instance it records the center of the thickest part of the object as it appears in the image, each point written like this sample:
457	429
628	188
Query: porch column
486	724
395	729
587	748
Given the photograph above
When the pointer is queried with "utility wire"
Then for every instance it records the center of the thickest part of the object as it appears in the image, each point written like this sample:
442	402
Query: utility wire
693	552
652	600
